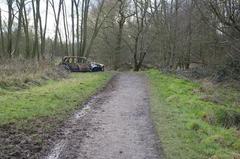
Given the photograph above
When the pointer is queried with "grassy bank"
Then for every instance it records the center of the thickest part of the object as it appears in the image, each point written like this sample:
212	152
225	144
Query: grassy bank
29	116
189	125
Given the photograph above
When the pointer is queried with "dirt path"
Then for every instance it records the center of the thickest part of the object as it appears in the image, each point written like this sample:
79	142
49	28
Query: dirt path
114	124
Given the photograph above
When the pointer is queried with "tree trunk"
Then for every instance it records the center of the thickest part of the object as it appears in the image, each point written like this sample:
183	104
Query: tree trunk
85	27
1	32
26	32
65	25
36	20
57	19
121	22
189	49
78	25
20	15
10	23
43	31
73	28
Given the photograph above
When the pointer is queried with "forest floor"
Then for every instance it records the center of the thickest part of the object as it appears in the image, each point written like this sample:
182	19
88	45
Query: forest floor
115	123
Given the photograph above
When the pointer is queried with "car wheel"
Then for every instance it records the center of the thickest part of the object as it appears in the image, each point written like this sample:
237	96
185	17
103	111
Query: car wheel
96	69
67	68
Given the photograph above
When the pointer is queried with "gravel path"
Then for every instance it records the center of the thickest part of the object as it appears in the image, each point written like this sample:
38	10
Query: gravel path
114	124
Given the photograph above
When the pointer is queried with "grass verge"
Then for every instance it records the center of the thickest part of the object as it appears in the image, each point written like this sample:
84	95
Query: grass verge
29	117
188	126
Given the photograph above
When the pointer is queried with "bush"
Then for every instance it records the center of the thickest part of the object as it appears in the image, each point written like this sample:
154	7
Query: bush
236	145
228	118
209	117
194	125
231	70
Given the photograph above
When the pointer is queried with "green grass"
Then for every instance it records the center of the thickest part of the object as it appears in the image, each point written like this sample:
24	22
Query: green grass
188	126
56	98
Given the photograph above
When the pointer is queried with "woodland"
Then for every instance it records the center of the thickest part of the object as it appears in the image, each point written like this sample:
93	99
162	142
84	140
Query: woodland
125	34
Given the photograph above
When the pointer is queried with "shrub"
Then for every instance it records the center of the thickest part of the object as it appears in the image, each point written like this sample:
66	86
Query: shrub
230	70
228	118
209	117
236	145
194	125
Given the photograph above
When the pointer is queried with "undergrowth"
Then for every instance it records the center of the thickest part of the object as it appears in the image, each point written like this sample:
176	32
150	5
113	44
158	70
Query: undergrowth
17	74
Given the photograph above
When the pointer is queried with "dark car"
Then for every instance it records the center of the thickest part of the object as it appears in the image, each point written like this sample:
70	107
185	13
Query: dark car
81	64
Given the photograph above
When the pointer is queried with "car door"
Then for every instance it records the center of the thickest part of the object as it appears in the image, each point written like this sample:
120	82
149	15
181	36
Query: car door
83	65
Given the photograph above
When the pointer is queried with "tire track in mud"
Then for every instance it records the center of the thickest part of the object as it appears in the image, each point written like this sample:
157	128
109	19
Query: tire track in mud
114	124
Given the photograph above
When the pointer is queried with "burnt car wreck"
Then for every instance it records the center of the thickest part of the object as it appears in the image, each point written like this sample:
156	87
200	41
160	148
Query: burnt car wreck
80	64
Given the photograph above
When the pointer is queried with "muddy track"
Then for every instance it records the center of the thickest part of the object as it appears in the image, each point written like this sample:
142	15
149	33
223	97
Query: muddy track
114	124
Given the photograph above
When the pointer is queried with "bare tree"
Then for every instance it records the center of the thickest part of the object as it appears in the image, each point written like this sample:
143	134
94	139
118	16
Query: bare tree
10	25
43	30
57	19
173	30
187	58
84	27
77	4
142	22
98	25
1	32
224	18
26	31
73	28
66	29
20	5
141	14
166	33
36	12
121	20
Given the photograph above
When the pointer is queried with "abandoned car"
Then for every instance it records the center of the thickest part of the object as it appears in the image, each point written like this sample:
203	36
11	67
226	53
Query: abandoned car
80	64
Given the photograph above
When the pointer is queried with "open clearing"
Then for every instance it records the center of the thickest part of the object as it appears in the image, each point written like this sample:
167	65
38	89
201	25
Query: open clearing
113	124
